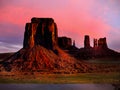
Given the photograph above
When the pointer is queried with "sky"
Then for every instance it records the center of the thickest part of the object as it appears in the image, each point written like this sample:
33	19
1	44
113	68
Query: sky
74	18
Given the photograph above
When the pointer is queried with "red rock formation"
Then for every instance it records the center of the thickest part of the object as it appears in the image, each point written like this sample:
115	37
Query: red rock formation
64	42
30	34
41	53
99	49
95	43
102	43
41	31
86	42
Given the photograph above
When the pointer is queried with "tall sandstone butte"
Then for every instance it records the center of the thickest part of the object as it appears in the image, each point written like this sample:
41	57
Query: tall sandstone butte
95	43
87	41
41	31
102	43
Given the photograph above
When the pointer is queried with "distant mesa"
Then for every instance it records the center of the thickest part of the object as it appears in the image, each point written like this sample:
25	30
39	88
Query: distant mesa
101	43
99	50
64	42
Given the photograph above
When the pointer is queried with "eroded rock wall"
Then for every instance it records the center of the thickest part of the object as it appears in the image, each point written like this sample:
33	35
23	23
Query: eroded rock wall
41	31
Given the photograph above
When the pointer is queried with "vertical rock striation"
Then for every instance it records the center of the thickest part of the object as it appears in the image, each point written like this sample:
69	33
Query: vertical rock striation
30	35
41	31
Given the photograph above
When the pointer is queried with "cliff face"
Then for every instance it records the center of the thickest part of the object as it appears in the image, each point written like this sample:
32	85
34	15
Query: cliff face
41	31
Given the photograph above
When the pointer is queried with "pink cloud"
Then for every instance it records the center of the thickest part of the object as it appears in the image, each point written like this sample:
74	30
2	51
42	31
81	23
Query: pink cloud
74	18
81	25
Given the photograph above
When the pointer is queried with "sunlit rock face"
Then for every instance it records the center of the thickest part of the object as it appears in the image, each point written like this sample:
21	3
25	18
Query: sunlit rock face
41	31
30	34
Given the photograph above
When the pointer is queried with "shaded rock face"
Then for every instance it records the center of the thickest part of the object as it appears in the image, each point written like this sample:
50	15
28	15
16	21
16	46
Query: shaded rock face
95	42
86	42
41	31
64	42
102	43
102	50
